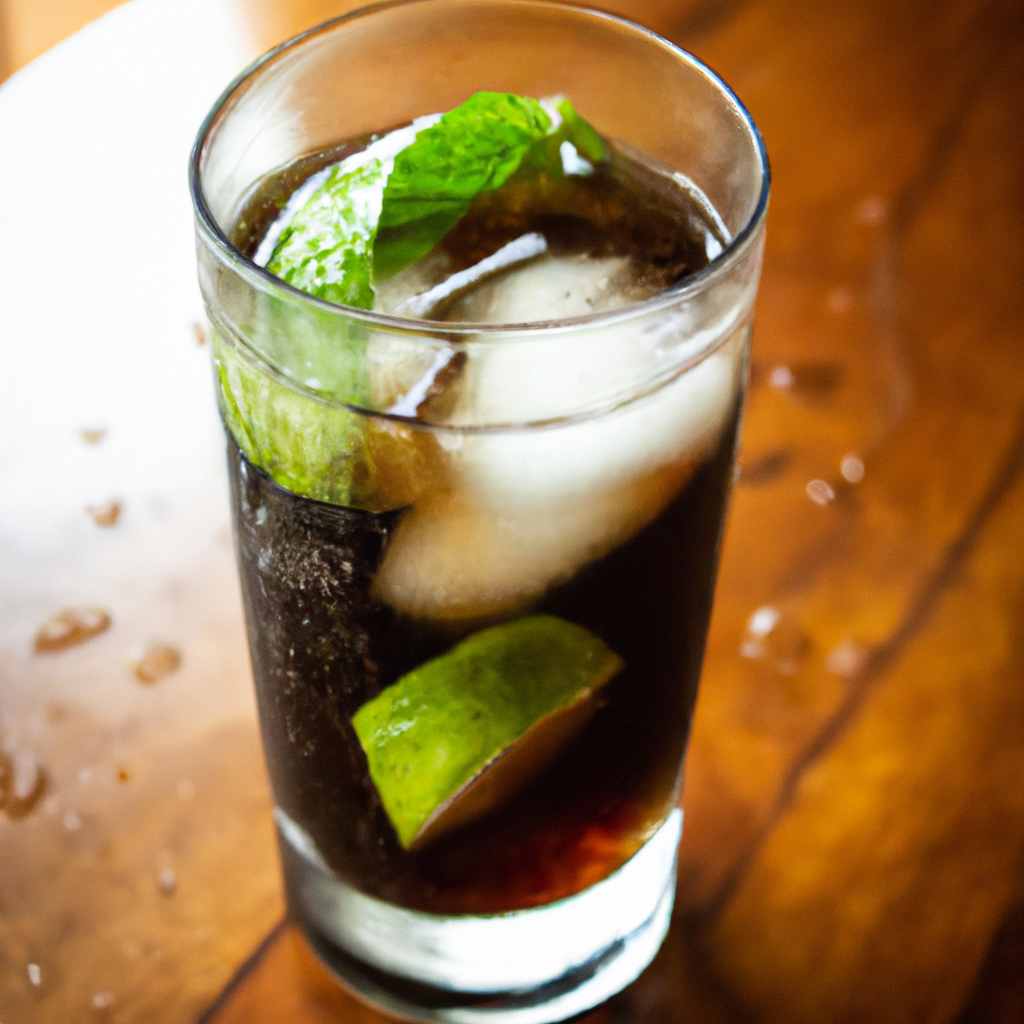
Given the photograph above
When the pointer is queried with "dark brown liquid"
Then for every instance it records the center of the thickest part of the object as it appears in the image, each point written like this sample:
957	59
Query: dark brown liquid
322	646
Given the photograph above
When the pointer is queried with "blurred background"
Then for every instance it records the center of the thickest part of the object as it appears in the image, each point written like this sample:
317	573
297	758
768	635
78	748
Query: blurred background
29	27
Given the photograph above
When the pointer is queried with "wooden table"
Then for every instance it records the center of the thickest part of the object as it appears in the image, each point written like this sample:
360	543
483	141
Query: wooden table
854	838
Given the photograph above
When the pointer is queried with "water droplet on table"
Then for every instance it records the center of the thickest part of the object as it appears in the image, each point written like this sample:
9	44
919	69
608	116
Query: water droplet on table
820	492
777	638
154	662
105	515
70	627
839	301
871	211
27	785
812	382
852	468
847	660
763	621
103	1000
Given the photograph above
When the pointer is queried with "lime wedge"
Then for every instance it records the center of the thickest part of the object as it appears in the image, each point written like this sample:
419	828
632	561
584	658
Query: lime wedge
461	734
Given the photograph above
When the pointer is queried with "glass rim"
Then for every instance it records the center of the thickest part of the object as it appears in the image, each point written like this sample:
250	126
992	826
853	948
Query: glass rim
263	278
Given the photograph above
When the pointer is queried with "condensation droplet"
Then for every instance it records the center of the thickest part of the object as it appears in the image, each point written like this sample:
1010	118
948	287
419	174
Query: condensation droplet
847	660
839	301
776	638
70	627
763	621
103	1000
27	785
751	649
820	492
154	662
871	211
72	822
123	775
781	377
105	515
167	881
35	975
852	468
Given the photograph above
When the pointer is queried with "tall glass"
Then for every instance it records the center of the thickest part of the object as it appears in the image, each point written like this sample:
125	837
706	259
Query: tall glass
580	495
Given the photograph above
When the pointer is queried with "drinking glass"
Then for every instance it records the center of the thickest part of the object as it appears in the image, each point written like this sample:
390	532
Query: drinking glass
578	499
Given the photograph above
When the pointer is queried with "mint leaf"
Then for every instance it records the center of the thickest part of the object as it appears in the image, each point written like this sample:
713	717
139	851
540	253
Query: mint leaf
327	248
546	157
383	209
314	449
474	148
325	251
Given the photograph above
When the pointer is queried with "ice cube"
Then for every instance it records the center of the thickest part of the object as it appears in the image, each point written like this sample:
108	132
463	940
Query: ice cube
452	559
680	422
546	288
428	303
550	288
526	508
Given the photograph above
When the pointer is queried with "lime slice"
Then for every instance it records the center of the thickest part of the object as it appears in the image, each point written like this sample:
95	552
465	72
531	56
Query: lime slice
461	734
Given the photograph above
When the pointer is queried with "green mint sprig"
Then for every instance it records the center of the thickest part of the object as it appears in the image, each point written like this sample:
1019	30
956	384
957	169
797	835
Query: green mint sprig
382	209
473	149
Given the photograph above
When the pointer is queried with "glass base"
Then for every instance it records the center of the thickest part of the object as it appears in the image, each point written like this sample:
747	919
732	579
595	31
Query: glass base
525	967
